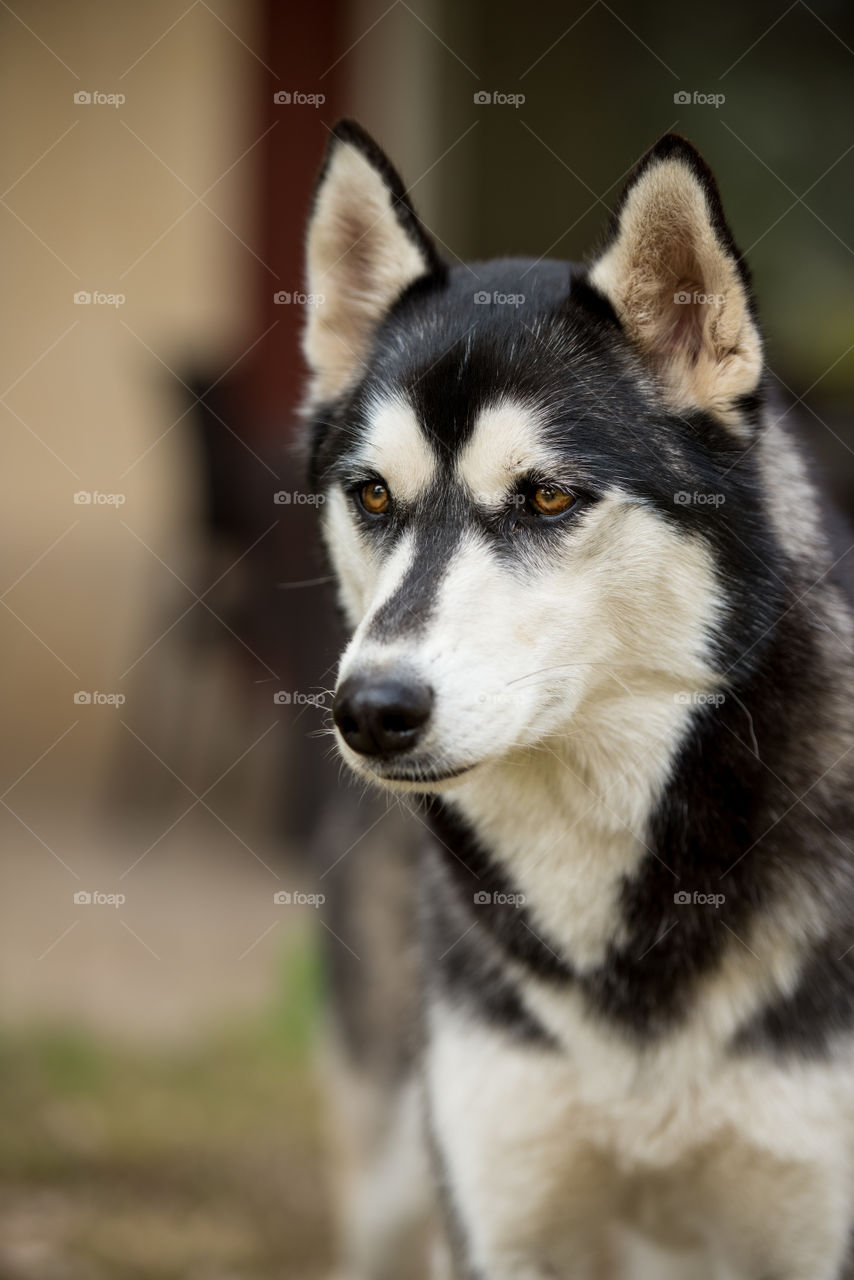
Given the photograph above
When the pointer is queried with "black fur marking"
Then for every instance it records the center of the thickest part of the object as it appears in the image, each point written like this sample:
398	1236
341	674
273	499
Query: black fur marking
721	827
409	608
820	1010
464	962
474	875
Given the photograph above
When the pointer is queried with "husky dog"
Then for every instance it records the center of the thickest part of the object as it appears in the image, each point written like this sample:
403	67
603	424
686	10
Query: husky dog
598	625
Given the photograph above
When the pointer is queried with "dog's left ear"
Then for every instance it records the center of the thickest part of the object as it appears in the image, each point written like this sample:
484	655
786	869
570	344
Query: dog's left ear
678	285
365	248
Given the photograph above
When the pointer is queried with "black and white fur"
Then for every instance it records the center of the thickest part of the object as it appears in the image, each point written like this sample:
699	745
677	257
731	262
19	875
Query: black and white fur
643	698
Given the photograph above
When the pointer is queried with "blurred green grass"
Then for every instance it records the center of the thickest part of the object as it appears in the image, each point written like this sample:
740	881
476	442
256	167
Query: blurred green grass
204	1163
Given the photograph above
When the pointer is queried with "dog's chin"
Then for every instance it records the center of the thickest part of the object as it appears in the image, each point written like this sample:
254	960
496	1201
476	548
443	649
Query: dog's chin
410	775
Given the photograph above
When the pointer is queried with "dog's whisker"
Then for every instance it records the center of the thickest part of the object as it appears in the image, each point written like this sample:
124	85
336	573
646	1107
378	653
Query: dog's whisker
560	666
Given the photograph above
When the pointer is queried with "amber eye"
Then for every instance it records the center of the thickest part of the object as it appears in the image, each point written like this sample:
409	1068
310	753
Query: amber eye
375	497
548	500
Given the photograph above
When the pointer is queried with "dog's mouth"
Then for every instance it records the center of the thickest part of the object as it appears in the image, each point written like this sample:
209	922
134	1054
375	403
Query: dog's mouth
424	775
409	775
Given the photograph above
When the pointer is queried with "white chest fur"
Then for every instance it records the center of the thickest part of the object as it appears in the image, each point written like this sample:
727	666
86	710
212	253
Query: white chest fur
605	1165
602	1160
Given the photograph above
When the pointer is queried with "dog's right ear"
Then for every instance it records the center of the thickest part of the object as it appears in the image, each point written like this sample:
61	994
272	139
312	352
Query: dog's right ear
365	247
679	285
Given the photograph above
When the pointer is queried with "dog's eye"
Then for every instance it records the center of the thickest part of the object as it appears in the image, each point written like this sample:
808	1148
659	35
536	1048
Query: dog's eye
548	500
375	497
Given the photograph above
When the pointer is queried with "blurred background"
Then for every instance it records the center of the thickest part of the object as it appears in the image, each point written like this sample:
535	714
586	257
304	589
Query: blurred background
167	634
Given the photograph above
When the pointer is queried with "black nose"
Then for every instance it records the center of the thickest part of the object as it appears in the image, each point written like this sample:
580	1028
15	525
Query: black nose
381	715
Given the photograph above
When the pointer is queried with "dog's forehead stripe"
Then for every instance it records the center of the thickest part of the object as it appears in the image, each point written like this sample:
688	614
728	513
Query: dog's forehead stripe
505	442
397	448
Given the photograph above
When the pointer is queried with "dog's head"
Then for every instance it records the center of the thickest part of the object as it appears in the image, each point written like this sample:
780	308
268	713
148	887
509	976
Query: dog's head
530	501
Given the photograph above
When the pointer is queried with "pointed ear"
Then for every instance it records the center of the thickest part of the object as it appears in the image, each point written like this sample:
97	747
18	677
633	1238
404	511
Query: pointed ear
678	285
365	247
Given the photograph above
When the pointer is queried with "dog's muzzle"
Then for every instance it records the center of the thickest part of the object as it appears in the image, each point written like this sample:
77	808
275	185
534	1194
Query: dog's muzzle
381	715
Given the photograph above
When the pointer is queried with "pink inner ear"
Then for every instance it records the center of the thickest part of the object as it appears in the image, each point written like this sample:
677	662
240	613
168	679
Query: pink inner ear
682	323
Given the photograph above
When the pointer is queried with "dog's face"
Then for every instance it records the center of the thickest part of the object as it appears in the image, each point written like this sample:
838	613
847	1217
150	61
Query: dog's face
523	466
